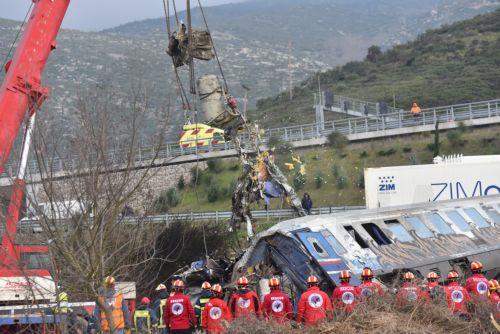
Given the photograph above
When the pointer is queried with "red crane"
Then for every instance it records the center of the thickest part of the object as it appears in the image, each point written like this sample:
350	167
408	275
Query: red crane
21	95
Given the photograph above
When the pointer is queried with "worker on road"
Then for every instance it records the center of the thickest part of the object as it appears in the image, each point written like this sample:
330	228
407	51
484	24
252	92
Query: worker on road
244	302
494	297
457	296
409	291
368	288
178	311
344	295
199	305
112	299
277	305
477	284
314	304
307	203
216	313
158	304
415	109
432	288
144	317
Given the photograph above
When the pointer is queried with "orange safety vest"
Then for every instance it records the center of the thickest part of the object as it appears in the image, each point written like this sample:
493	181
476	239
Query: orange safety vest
415	109
116	304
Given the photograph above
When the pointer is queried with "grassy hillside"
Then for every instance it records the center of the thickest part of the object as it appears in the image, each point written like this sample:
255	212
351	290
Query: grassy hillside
453	64
341	171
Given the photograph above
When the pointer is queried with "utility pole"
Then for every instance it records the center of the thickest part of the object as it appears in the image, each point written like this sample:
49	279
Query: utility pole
245	101
290	77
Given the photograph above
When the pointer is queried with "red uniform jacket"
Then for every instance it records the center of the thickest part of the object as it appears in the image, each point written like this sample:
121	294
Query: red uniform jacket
178	312
277	306
494	299
344	297
214	313
367	289
409	293
244	302
477	287
457	297
314	306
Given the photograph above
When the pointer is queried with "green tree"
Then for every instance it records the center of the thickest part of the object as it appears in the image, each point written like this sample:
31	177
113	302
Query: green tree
374	53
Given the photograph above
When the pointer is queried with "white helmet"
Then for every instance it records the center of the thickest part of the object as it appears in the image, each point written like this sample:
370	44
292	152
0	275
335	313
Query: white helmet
161	287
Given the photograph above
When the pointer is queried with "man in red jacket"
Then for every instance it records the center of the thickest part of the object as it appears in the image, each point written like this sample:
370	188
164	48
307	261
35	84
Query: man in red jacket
215	312
277	305
432	288
409	292
244	302
477	284
456	295
178	310
368	288
494	298
314	305
344	294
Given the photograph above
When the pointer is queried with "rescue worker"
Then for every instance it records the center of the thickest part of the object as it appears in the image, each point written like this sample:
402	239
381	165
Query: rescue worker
276	304
244	301
477	284
307	203
65	313
415	109
457	296
432	287
118	308
494	297
216	312
199	305
368	288
158	304
409	292
344	295
178	311
314	304
144	317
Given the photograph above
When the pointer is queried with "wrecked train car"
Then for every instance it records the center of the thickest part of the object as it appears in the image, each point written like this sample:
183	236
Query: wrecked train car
420	237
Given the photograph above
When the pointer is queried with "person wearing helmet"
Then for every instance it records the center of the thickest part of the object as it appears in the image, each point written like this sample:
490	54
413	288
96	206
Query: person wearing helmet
368	288
244	301
277	305
216	313
409	292
144	317
119	308
199	305
432	288
457	296
159	302
494	297
178	312
344	295
314	304
477	284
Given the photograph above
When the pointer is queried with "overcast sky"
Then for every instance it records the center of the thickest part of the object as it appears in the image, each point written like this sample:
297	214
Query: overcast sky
100	14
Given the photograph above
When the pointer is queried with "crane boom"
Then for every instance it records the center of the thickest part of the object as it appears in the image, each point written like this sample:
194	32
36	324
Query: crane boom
22	89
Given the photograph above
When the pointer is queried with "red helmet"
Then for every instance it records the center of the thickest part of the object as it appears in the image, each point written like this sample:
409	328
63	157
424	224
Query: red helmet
432	276
493	284
345	275
178	284
206	286
476	266
312	280
242	281
408	276
367	273
452	275
216	288
145	301
274	282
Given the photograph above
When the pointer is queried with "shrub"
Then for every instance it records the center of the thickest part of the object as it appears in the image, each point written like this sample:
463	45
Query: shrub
181	184
213	192
462	127
337	140
386	153
173	197
407	149
455	138
196	174
374	53
215	165
234	167
299	181
280	146
166	200
319	180
340	176
207	179
363	154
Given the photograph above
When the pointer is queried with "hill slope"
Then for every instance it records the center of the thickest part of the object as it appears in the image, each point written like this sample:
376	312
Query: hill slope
453	64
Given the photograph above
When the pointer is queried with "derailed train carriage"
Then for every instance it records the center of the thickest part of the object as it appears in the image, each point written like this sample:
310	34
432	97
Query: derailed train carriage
420	237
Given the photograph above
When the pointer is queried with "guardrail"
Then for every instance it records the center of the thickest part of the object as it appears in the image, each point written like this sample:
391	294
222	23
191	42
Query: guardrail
395	120
216	216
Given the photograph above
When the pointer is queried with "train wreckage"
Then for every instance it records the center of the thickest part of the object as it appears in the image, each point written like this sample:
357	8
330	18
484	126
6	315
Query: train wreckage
436	236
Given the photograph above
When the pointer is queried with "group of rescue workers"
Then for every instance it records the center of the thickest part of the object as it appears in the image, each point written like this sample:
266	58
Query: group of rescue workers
173	312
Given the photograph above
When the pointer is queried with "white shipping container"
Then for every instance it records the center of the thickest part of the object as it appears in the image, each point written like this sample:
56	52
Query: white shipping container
401	185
